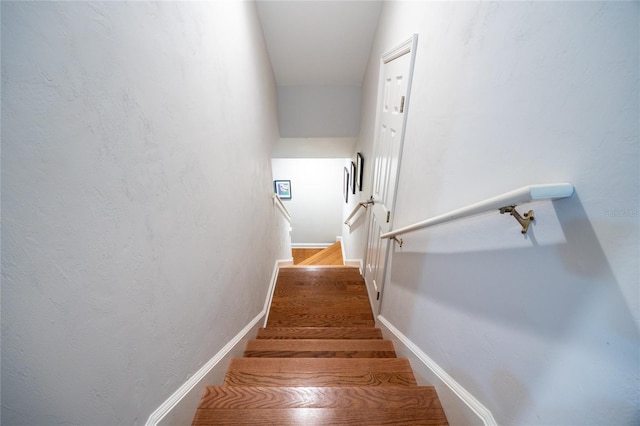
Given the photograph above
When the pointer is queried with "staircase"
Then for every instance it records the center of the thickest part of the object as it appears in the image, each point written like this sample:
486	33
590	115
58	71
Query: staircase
319	361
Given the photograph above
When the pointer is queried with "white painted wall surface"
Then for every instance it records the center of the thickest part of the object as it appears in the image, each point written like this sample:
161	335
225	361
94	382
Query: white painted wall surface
316	197
319	111
313	147
543	328
133	174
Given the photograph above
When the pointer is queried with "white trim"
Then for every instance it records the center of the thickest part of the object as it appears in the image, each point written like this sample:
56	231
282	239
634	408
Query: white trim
402	49
193	381
356	263
349	262
165	408
476	406
272	286
311	245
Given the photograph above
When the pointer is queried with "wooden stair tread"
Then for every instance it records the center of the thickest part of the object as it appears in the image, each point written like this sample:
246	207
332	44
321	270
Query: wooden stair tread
301	253
319	397
319	320
321	416
309	272
320	297
319	333
331	255
320	348
320	372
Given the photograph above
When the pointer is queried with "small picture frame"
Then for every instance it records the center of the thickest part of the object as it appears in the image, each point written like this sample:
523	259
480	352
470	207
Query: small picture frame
353	178
345	185
360	168
282	188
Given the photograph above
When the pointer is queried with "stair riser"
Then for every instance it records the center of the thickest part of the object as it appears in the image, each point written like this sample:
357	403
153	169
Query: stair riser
299	333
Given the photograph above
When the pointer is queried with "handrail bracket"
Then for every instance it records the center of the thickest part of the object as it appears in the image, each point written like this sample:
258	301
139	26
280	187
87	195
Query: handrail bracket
397	240
523	221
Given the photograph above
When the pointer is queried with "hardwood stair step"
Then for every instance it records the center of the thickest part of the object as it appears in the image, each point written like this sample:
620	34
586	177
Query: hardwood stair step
319	286
322	320
331	255
319	333
310	273
320	417
320	372
320	348
320	297
319	397
301	253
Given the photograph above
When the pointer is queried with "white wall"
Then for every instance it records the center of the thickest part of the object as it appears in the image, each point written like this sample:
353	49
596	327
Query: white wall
543	328
313	147
316	197
133	169
319	111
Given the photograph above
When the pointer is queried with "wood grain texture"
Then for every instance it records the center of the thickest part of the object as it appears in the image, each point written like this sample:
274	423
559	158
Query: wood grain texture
320	297
320	348
321	416
319	361
392	397
320	372
319	333
331	255
300	254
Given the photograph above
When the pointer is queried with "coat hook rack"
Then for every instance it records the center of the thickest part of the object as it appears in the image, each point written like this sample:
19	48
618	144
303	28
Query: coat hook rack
523	221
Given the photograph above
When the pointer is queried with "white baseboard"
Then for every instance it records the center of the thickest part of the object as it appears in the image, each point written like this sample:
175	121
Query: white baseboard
354	262
272	286
310	245
180	407
350	262
460	406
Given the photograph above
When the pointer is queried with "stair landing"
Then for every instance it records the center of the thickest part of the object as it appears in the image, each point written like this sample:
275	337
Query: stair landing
331	255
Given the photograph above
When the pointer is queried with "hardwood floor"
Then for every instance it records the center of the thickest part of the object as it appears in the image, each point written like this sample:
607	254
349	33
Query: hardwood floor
319	361
300	254
331	255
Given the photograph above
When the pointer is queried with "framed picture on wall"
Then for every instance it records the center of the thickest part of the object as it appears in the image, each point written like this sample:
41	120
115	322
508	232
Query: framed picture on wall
282	188
345	185
353	178
360	168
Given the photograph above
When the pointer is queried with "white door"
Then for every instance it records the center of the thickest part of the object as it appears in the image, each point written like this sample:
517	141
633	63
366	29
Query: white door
397	66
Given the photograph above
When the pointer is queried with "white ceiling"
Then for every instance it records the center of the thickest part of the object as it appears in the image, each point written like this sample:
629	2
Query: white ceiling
319	43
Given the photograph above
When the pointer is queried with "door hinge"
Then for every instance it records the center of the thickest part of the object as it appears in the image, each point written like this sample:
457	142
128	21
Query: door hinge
378	296
388	216
402	104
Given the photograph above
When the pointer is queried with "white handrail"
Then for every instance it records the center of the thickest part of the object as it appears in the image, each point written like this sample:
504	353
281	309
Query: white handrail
278	202
364	204
500	202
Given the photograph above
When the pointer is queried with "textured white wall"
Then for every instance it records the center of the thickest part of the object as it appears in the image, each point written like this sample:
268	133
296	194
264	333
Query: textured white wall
316	197
542	329
133	171
319	111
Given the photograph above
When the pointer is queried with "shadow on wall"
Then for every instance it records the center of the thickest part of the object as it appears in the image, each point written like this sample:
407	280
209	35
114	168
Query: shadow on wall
535	310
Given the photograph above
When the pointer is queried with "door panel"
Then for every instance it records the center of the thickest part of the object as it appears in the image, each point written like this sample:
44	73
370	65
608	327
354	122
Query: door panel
392	111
